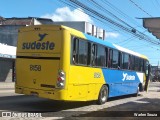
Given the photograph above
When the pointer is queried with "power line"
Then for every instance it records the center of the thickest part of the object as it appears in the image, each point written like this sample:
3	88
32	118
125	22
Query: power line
91	15
140	8
92	11
130	30
99	13
114	16
156	6
157	2
126	40
111	14
120	12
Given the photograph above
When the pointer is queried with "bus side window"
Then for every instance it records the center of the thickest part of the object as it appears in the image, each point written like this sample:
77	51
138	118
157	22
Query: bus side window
115	59
129	62
107	56
110	58
120	59
74	51
101	56
141	65
89	54
82	52
132	63
126	61
136	68
93	54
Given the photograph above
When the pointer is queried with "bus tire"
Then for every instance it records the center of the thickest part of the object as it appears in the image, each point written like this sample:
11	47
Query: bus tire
141	87
103	95
137	93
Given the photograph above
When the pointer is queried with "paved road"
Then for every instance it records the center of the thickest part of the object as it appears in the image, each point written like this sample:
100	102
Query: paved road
9	101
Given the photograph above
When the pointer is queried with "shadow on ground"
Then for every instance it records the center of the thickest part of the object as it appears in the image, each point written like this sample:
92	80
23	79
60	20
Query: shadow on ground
23	103
34	104
144	106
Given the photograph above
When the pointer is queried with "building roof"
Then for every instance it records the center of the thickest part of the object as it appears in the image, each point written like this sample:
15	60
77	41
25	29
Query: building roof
25	21
153	25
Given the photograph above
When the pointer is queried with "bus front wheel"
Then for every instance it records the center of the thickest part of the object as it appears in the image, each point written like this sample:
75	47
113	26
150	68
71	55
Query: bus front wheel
103	95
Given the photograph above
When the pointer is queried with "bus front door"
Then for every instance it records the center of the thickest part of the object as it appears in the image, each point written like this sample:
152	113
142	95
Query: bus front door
148	72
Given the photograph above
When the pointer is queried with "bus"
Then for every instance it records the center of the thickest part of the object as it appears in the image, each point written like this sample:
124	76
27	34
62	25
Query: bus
61	63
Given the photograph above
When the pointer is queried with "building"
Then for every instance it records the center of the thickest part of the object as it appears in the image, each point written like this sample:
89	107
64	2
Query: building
7	61
25	21
155	73
9	27
84	27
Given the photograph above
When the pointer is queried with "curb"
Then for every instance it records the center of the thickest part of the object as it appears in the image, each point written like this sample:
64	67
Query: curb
7	85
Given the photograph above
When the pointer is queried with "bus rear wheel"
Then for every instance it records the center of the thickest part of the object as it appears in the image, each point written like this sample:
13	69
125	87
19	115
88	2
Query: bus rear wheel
103	95
137	93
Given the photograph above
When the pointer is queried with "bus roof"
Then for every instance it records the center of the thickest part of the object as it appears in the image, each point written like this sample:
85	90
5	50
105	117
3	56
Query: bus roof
102	42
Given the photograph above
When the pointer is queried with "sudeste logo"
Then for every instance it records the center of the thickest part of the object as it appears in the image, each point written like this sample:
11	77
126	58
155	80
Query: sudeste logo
128	77
39	44
42	36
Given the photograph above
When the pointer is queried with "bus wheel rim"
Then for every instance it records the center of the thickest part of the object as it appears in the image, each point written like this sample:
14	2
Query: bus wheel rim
104	95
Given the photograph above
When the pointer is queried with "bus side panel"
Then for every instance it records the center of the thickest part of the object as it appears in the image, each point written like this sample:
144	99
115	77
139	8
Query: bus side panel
84	83
122	82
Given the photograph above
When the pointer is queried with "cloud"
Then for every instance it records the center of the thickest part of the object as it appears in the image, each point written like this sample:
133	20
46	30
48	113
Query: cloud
66	14
111	35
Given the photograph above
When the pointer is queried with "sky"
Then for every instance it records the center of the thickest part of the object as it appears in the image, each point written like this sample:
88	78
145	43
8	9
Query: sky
126	10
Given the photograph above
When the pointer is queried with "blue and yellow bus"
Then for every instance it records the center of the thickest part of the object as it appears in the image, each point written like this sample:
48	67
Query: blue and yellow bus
61	63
